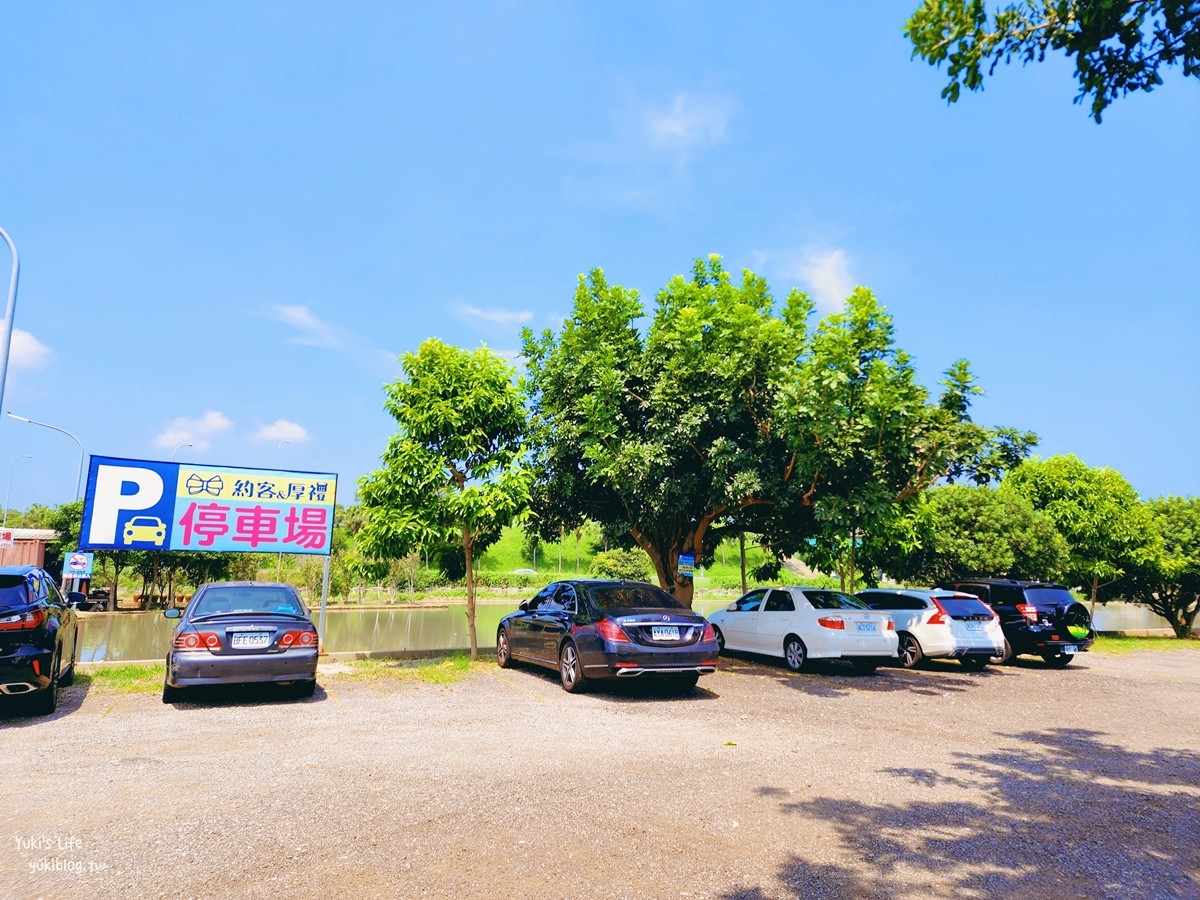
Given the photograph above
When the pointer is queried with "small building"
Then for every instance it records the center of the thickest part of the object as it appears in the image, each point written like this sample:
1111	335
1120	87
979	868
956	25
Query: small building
29	547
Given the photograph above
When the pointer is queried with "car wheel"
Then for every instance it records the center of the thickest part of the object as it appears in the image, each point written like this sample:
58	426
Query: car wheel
102	606
864	665
910	651
975	663
171	694
1003	658
45	701
1057	660
570	669
305	688
720	640
68	678
795	655
503	651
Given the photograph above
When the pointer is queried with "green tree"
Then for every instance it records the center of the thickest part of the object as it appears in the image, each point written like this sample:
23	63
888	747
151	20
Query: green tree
1119	46
866	435
1107	527
957	531
1169	582
632	565
667	434
454	472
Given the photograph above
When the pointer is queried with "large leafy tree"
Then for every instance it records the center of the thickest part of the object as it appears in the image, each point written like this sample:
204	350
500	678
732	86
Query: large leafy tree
1119	46
1107	527
868	437
1168	582
957	530
454	472
668	434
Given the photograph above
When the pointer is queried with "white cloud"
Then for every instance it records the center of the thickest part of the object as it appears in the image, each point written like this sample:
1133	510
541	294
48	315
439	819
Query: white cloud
691	121
313	332
27	352
193	431
492	317
826	273
283	430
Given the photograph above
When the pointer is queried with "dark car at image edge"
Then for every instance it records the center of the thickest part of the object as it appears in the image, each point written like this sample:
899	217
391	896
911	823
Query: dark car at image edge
598	629
1040	618
39	638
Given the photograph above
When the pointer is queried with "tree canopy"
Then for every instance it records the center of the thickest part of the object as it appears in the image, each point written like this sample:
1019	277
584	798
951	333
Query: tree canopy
1118	47
453	473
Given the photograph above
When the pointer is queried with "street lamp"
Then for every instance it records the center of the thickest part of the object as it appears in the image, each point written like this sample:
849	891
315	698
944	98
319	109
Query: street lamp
177	449
9	311
279	447
79	471
8	493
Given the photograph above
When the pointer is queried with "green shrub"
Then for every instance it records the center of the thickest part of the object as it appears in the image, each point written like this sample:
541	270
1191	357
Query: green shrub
632	565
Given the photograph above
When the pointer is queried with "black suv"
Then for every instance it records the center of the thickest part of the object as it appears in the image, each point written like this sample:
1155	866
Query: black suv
39	633
1038	617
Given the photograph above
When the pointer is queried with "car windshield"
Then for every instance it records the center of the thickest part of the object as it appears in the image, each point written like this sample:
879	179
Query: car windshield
1048	596
13	591
833	600
633	596
220	600
962	606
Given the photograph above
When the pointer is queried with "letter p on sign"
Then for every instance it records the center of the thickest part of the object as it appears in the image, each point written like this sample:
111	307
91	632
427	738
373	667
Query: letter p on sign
120	488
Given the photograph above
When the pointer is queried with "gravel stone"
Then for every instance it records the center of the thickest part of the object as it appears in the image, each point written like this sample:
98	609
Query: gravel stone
936	782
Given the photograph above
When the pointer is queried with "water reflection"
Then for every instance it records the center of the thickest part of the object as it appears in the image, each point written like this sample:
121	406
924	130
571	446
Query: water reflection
138	636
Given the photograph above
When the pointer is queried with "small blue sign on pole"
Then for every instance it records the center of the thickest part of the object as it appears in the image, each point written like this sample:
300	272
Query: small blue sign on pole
687	564
78	565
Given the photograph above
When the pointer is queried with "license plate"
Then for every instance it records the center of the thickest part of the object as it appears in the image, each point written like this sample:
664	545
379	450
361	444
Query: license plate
1069	649
974	626
867	628
251	641
664	633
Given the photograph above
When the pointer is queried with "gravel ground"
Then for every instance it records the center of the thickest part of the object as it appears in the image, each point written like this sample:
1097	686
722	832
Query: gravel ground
1018	782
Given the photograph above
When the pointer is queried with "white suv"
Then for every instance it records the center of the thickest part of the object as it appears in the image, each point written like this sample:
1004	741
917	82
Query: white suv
933	623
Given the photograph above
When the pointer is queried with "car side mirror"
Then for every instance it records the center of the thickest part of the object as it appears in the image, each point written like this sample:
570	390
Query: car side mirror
75	598
173	613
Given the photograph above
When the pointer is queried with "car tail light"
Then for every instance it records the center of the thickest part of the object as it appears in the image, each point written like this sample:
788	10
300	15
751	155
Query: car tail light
32	619
891	626
197	640
611	631
298	639
940	617
1029	611
710	633
625	665
832	622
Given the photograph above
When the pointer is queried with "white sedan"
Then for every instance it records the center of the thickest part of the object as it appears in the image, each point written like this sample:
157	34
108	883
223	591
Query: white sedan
801	623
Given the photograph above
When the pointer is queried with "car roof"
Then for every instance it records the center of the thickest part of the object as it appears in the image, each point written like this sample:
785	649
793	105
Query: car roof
18	570
248	584
1010	582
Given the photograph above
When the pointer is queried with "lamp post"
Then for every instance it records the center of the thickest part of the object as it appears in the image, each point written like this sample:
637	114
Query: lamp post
177	449
79	471
8	493
9	311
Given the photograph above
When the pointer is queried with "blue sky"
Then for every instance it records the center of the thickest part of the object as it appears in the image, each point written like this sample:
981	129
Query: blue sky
233	217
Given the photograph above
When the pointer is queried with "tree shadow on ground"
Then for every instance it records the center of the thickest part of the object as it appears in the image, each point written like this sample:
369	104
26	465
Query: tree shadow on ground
1066	814
834	678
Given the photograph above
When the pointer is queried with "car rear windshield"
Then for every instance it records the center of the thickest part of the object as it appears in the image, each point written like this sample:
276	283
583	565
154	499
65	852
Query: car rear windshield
1048	596
215	601
962	606
833	600
13	591
633	596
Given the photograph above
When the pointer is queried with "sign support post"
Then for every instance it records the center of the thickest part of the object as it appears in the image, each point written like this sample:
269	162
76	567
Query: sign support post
324	596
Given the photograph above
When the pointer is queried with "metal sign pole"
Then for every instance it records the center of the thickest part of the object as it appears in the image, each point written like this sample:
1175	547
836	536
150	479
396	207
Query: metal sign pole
324	596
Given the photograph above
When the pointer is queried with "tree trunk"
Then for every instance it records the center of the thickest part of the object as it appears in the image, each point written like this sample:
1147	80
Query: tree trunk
467	549
742	551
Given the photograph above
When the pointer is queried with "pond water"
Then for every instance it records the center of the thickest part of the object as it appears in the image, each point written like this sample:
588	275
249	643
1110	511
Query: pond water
146	635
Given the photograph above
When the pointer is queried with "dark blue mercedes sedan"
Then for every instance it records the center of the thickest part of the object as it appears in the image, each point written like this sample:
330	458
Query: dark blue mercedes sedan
591	630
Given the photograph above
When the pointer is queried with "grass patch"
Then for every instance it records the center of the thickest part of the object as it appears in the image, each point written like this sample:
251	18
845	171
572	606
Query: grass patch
437	670
131	679
1113	643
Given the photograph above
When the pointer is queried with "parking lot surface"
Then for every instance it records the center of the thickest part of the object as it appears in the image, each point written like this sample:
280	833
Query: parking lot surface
1013	782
